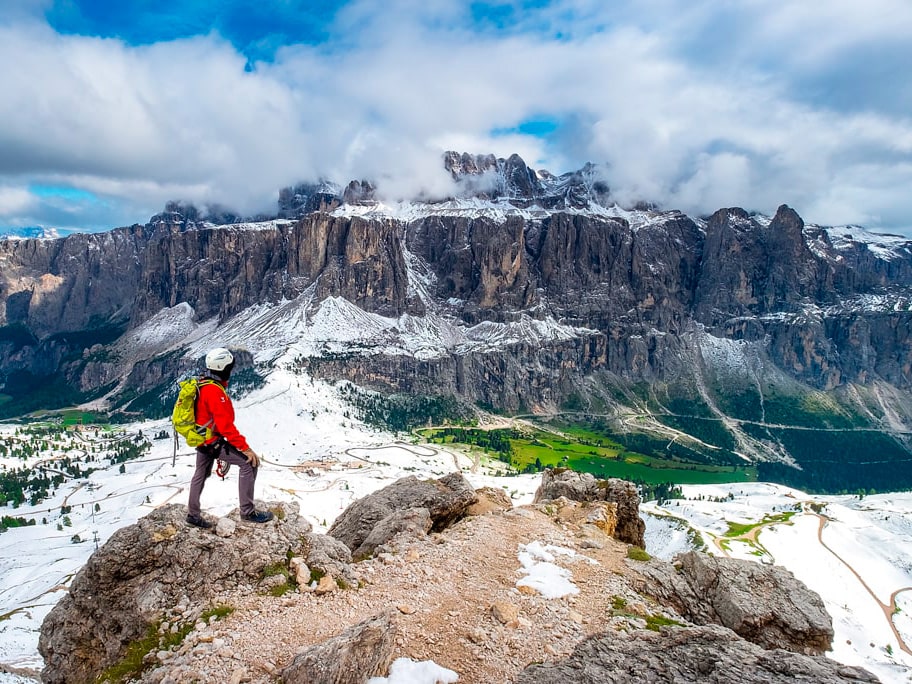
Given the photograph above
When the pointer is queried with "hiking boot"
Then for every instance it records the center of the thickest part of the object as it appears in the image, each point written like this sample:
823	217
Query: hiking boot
198	521
258	517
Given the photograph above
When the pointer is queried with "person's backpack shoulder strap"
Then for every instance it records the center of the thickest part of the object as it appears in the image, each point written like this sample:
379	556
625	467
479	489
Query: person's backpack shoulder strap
210	381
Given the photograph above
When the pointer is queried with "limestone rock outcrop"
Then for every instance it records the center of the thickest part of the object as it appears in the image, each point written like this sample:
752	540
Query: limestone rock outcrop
490	499
558	482
710	654
357	654
328	556
409	505
146	569
764	604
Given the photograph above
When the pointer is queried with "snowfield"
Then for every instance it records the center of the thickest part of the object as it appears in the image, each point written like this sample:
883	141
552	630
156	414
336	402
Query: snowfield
857	553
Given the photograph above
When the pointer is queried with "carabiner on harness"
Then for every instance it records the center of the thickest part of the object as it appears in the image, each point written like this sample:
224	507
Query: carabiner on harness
222	468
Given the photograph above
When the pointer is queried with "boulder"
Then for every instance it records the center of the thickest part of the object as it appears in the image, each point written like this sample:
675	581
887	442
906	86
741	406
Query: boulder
764	604
446	500
490	500
599	514
558	482
710	654
327	556
397	527
146	569
352	657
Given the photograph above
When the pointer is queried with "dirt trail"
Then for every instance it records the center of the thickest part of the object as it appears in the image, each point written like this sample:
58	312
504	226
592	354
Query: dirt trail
441	592
887	608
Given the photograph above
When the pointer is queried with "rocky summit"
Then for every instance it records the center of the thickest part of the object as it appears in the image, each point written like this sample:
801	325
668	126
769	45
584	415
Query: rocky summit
541	593
523	292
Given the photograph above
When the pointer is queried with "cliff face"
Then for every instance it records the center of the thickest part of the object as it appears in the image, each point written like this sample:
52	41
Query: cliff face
633	290
224	271
49	287
591	271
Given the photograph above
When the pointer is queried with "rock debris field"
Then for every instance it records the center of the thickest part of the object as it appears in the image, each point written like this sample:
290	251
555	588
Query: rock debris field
454	598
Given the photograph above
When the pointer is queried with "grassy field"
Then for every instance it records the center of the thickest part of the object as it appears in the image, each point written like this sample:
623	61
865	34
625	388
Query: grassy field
741	529
78	417
586	449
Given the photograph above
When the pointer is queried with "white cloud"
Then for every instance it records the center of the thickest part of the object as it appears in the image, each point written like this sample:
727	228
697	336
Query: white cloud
718	180
816	32
401	82
15	201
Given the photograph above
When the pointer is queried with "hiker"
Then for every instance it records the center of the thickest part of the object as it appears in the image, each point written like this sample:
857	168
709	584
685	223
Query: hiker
224	442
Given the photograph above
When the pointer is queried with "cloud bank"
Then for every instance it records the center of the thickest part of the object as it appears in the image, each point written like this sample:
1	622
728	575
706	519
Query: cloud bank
716	105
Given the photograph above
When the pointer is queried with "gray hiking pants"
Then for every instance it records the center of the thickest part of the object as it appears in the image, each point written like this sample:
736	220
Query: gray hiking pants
205	458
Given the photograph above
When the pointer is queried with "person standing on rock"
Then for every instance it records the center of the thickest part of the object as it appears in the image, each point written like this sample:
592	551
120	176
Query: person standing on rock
215	410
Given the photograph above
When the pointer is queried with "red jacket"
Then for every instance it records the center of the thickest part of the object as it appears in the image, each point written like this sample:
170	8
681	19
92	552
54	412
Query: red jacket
214	405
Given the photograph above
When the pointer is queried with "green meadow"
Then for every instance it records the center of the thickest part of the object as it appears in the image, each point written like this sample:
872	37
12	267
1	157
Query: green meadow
585	449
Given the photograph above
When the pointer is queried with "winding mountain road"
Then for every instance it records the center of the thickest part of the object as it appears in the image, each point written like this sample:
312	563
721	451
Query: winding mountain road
752	537
887	608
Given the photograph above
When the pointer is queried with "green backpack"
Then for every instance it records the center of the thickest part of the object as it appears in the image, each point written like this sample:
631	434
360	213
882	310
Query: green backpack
183	417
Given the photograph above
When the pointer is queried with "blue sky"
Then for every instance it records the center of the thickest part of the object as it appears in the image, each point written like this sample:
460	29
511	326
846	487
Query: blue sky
112	108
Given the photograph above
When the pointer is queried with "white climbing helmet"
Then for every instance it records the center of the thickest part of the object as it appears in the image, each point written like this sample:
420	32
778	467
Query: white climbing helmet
219	359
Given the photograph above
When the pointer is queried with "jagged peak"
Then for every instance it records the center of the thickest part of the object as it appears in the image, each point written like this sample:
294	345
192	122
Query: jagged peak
482	177
187	215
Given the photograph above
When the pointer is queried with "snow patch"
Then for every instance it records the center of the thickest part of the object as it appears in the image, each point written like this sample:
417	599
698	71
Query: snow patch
335	326
166	328
527	329
723	354
667	534
497	210
542	574
882	245
408	671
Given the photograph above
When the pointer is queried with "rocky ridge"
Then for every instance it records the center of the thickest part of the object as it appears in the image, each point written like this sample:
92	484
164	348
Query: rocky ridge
710	590
464	596
688	654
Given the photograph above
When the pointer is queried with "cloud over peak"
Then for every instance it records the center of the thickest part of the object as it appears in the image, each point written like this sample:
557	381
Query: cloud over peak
695	109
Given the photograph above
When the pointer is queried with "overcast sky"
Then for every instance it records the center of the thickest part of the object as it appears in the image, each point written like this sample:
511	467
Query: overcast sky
108	109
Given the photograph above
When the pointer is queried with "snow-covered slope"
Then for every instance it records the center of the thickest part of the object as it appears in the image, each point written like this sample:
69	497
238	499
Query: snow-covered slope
303	327
855	552
497	211
883	246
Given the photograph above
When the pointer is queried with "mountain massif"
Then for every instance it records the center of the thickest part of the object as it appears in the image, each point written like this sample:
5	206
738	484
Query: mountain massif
740	336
